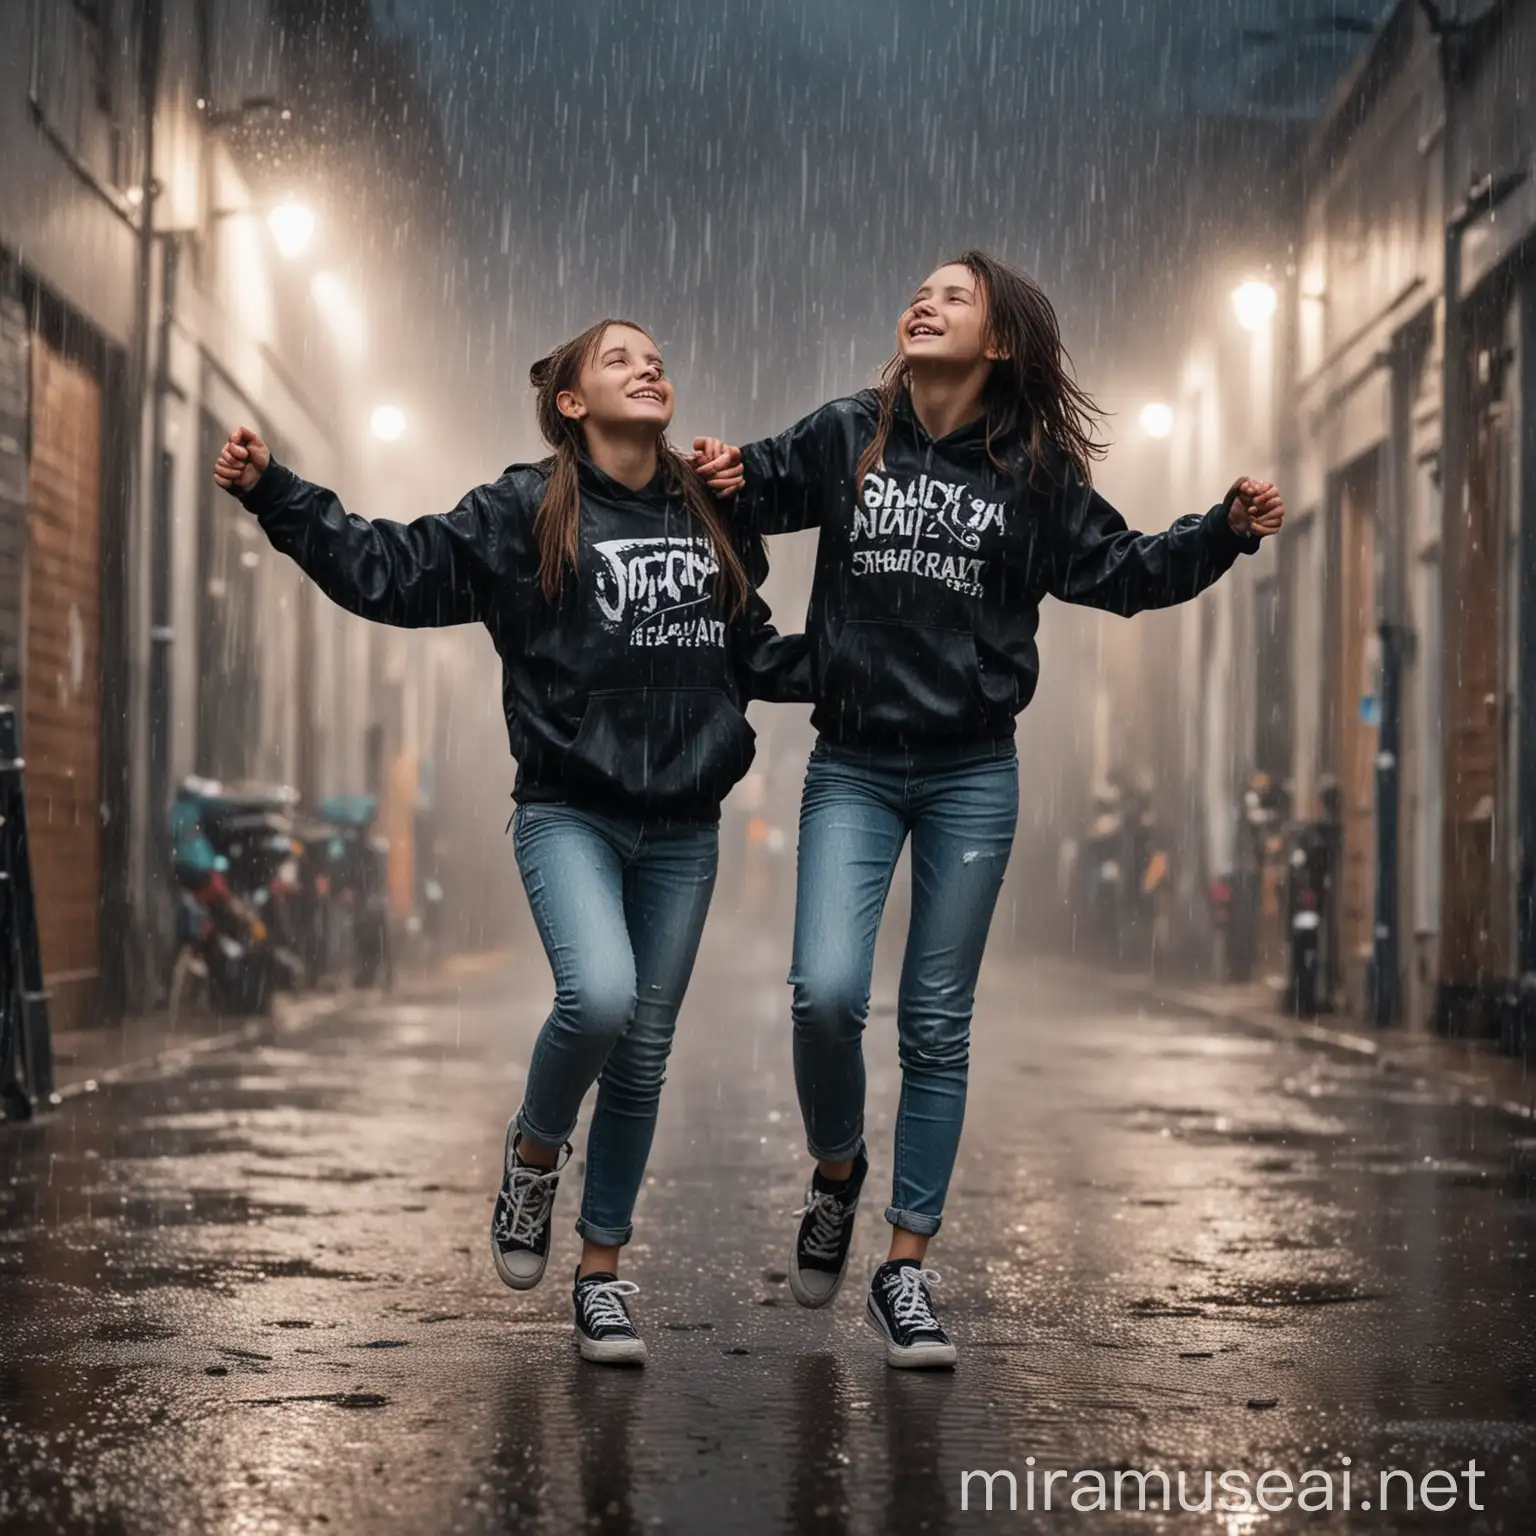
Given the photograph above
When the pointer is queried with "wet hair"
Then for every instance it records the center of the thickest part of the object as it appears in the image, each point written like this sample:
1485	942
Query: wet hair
1032	401
557	523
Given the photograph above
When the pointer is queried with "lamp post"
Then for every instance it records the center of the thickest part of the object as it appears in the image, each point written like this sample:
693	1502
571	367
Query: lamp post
293	227
387	423
1156	419
1254	303
292	224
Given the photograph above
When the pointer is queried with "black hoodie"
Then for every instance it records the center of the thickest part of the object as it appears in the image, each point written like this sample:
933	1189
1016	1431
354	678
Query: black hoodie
929	576
628	695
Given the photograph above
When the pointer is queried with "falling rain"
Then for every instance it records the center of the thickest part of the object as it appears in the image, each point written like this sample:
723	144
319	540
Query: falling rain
767	766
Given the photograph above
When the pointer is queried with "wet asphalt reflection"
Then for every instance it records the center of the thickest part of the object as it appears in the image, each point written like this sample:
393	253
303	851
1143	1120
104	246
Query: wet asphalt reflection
257	1296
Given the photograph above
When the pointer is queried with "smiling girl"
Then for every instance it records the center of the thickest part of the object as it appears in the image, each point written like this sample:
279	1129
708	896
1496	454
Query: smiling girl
951	499
631	637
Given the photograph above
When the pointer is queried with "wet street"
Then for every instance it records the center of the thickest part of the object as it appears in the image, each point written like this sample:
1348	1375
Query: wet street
257	1295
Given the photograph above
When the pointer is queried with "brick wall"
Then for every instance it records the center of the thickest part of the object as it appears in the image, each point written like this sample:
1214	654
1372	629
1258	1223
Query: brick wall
13	491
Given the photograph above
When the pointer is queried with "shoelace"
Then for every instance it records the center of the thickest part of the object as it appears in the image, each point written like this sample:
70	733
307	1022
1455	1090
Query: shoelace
828	1215
906	1290
530	1194
601	1307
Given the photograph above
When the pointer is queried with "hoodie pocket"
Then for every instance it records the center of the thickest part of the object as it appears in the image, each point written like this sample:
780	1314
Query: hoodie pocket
891	681
661	747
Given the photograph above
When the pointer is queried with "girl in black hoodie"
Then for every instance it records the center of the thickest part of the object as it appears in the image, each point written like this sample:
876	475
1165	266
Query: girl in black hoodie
951	499
631	637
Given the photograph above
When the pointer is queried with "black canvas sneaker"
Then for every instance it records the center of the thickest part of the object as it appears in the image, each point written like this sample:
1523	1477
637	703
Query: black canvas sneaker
520	1223
604	1330
820	1259
901	1309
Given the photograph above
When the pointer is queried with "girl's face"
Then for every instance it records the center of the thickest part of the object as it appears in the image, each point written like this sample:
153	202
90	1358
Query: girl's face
622	384
946	322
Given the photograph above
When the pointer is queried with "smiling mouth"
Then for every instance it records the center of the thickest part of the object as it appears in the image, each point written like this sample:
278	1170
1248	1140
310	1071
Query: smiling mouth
647	394
914	331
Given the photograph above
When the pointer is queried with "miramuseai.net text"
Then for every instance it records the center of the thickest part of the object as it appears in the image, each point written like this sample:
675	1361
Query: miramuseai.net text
1313	1489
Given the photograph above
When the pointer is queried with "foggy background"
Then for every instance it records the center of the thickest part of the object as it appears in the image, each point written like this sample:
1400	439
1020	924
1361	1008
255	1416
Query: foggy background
1247	1175
762	184
762	181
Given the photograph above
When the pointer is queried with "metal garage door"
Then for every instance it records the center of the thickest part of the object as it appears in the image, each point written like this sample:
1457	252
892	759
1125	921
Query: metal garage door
61	675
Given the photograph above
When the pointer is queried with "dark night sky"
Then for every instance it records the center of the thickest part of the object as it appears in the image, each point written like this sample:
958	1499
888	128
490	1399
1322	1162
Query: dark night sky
761	181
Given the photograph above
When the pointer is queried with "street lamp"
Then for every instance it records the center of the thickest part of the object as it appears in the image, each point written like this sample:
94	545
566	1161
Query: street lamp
388	423
293	227
1156	419
1255	303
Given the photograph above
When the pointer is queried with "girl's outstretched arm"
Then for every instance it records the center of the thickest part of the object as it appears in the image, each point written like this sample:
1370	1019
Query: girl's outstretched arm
1099	562
426	573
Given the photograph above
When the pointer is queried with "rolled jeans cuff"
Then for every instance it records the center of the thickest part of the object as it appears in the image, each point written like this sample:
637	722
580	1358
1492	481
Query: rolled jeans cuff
846	1154
604	1237
544	1138
914	1222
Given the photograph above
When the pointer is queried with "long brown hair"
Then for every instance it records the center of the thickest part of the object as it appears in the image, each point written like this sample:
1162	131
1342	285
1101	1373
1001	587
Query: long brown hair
1031	397
557	524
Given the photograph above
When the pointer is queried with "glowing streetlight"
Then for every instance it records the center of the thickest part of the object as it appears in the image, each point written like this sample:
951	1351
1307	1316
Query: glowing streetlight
388	423
293	227
1156	419
1255	304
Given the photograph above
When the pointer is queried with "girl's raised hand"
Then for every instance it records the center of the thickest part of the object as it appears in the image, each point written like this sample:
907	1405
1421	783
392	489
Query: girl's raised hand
719	465
241	461
1254	507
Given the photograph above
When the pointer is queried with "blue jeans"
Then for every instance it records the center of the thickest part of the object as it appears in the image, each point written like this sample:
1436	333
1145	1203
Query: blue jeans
620	904
960	810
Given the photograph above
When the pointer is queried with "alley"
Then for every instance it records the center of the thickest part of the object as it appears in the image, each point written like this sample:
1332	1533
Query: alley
258	1297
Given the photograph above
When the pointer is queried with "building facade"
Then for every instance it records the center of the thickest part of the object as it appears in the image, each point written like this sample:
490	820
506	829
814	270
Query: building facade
149	300
1378	660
